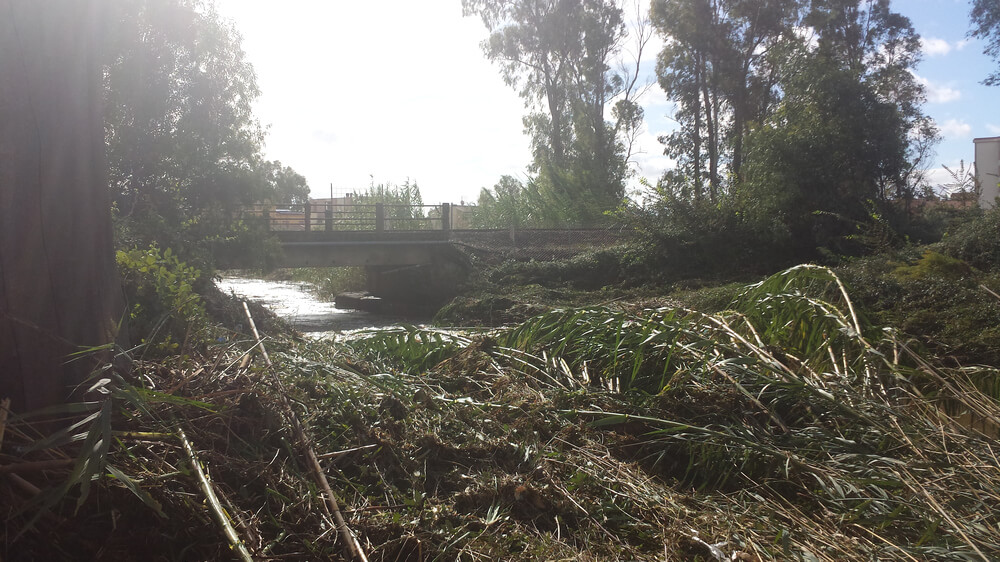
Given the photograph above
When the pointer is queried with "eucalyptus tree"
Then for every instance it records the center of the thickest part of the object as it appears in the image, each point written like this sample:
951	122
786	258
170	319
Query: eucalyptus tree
559	55
986	26
717	66
875	44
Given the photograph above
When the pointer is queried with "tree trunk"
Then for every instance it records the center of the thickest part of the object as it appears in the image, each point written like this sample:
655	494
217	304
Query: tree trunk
58	282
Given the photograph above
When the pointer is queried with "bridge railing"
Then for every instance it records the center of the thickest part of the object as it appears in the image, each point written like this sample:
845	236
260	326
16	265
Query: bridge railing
541	244
353	217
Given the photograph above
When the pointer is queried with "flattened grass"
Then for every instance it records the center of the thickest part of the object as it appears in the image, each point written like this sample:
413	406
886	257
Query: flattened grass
783	428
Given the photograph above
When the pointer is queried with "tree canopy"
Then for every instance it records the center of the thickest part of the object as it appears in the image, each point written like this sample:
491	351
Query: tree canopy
559	55
800	117
285	185
184	147
717	65
986	26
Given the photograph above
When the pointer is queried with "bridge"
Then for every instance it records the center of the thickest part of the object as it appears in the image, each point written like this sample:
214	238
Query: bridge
406	249
378	235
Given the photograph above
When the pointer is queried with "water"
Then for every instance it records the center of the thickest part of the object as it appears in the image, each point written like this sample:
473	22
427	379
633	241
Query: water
293	302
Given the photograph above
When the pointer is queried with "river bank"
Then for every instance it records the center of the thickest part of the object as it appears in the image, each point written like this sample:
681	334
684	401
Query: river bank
763	421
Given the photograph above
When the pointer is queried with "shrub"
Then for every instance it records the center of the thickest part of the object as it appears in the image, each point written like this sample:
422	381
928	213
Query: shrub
977	241
163	306
934	265
934	299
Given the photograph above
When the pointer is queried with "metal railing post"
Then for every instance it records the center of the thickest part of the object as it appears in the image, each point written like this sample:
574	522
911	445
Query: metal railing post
445	216
308	213
266	213
379	217
329	217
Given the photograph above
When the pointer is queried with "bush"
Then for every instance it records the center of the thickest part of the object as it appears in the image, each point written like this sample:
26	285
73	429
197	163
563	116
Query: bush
977	241
163	306
934	265
932	299
930	224
687	239
586	271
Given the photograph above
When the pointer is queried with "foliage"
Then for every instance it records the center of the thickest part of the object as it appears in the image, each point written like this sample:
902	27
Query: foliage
927	222
719	66
695	238
559	54
163	305
790	403
933	264
985	17
798	121
409	346
591	270
786	427
326	282
834	146
977	241
184	148
107	393
964	181
285	185
937	302
511	204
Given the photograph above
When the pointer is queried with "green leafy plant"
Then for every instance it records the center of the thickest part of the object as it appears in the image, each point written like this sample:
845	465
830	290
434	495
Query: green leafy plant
934	264
163	304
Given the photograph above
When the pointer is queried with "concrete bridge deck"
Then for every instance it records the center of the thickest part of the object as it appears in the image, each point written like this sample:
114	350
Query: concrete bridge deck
363	248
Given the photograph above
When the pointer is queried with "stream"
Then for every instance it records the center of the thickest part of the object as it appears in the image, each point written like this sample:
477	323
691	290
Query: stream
294	303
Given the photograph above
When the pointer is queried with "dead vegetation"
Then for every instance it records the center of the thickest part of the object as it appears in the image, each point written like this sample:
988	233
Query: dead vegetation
781	430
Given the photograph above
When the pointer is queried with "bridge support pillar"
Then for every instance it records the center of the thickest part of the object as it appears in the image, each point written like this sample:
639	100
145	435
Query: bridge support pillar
429	285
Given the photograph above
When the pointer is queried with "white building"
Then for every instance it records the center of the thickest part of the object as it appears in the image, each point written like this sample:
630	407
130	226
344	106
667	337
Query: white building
988	170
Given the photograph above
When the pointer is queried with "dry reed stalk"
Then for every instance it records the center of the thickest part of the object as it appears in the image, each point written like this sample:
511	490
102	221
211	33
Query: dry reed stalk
36	466
336	454
213	501
24	484
186	379
988	290
4	410
331	504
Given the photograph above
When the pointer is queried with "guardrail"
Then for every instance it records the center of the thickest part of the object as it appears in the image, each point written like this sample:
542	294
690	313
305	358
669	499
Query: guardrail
310	217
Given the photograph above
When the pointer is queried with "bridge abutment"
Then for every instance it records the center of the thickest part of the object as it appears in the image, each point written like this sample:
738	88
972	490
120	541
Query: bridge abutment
420	286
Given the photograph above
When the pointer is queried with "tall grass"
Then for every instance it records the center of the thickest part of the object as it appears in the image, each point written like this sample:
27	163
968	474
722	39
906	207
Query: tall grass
789	403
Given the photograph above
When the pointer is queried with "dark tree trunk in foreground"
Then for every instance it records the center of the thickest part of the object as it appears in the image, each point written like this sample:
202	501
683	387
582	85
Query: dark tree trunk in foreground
58	282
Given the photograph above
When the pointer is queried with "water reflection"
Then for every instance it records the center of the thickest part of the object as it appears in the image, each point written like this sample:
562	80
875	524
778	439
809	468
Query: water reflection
293	302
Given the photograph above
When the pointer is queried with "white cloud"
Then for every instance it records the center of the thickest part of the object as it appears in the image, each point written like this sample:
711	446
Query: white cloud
955	128
932	46
938	93
938	177
993	129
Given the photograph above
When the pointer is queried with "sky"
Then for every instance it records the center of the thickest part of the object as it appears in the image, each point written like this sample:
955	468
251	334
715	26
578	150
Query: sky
396	90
